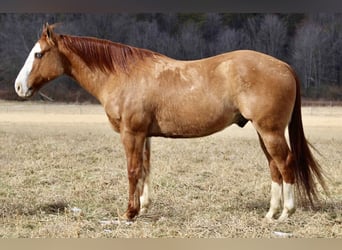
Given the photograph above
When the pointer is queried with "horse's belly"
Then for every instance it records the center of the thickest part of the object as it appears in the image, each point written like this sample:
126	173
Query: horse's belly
191	125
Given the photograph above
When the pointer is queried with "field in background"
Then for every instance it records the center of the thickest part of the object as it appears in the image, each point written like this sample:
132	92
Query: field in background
63	172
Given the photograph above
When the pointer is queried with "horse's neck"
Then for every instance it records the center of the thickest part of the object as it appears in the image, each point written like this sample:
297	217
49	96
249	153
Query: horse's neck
93	81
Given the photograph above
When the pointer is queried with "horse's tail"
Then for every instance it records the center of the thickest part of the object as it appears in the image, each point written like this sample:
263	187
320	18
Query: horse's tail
306	168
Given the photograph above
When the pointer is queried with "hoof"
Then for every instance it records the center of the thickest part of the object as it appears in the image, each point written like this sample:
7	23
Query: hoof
130	215
283	217
143	210
268	220
271	215
286	214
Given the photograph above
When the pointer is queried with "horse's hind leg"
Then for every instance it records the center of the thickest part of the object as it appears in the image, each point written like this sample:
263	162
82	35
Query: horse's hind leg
281	161
145	196
276	187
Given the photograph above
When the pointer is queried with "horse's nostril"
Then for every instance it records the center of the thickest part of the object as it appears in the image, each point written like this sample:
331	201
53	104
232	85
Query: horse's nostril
18	88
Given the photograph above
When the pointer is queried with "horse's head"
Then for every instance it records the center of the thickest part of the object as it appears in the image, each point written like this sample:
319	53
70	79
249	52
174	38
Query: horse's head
44	63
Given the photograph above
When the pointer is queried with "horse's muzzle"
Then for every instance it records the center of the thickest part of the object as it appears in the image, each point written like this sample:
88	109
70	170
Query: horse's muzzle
23	91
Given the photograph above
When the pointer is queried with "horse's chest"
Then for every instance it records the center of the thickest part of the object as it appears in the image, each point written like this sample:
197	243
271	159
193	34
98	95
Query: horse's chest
115	123
114	116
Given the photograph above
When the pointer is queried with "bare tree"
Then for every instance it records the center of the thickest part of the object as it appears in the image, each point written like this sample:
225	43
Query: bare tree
211	26
252	27
191	42
272	36
307	53
230	39
266	34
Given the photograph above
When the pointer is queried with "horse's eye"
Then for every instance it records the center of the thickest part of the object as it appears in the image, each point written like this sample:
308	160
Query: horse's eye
38	55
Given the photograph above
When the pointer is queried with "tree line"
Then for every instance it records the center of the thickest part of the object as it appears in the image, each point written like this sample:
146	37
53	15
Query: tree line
311	43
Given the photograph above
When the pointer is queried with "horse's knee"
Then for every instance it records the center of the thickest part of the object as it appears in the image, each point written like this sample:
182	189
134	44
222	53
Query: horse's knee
135	174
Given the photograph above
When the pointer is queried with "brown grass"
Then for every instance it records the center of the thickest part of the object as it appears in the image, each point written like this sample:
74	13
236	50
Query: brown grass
55	158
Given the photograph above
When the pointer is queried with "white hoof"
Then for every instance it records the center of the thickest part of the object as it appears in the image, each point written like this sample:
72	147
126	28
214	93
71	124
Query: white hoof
269	220
143	210
144	205
286	214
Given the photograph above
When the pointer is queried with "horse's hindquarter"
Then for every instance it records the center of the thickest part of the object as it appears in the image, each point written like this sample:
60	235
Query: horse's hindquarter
265	88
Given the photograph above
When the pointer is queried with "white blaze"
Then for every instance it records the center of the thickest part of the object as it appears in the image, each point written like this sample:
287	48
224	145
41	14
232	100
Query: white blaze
21	82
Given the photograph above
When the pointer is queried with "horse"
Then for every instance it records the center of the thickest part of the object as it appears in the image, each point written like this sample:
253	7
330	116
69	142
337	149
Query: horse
147	94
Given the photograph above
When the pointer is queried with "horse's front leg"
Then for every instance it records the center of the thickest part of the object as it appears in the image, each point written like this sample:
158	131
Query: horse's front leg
145	199
134	145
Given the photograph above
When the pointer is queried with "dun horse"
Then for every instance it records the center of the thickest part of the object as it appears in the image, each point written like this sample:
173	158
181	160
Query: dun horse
147	94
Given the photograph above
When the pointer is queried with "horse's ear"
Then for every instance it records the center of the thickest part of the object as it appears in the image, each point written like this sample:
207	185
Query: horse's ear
48	33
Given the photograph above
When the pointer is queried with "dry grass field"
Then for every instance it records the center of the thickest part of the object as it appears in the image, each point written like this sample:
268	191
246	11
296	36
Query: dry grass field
63	173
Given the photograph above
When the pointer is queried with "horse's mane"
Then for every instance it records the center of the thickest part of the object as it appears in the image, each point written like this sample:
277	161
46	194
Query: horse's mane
103	54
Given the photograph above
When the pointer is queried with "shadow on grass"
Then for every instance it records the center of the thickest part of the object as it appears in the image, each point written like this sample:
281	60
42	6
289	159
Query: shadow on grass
331	207
25	209
54	207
